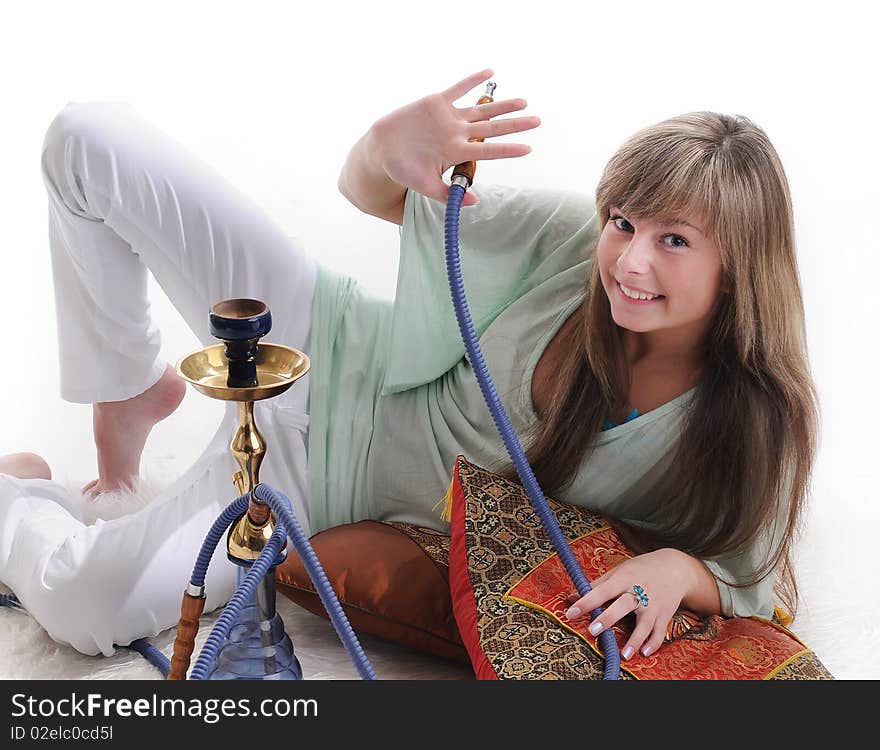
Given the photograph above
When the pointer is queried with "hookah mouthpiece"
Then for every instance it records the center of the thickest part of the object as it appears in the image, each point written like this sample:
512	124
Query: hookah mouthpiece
240	323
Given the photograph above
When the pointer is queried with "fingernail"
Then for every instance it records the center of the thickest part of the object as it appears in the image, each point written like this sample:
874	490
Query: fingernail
627	652
573	613
596	628
646	650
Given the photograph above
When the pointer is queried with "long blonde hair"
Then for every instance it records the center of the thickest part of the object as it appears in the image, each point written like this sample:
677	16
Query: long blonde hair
749	435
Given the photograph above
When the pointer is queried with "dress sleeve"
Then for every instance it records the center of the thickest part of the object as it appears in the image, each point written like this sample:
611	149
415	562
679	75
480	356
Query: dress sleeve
757	599
511	241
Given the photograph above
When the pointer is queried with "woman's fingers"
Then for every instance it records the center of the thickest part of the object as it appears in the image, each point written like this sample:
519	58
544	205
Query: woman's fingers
644	625
489	110
494	128
649	633
480	123
622	606
477	151
482	127
598	594
658	634
458	90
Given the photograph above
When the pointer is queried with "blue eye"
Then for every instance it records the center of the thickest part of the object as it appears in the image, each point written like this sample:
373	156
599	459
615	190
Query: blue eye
615	217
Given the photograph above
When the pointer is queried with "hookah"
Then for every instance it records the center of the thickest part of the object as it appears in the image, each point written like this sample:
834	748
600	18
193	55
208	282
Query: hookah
248	640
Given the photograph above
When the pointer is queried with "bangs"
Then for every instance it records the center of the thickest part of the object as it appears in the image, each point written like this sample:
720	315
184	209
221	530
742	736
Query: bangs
677	186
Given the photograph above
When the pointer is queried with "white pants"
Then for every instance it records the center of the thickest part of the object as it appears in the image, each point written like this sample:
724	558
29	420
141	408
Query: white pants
125	198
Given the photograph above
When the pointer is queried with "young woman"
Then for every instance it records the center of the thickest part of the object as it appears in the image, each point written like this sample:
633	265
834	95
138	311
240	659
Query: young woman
712	374
692	312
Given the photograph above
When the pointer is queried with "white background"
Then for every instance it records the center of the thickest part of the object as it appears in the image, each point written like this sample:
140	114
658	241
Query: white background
275	94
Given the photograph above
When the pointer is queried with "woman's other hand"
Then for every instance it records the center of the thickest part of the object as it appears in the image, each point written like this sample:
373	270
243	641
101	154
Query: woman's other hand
418	142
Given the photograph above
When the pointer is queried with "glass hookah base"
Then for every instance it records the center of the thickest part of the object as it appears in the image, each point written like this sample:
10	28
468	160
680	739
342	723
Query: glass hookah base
257	650
257	647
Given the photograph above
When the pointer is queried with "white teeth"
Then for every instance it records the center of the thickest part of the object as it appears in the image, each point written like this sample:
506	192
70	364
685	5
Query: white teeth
636	295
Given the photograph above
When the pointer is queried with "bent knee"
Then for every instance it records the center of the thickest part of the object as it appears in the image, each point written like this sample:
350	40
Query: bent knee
83	119
77	133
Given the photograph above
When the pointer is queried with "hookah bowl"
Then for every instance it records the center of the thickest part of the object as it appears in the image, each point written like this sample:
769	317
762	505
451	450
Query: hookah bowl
243	370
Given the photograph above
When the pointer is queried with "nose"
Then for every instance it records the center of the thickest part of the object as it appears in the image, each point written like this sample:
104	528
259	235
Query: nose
636	256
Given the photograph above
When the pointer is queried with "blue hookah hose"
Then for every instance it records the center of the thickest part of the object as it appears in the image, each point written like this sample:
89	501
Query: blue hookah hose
152	655
11	601
502	421
287	526
280	504
232	610
230	514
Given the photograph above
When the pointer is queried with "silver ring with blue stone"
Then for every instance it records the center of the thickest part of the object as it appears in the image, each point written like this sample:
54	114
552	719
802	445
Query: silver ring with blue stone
639	595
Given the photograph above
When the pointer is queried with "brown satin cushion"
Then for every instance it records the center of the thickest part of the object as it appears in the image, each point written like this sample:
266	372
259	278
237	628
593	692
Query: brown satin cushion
392	580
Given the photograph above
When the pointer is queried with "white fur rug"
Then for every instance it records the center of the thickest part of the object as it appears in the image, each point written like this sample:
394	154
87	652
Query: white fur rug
839	616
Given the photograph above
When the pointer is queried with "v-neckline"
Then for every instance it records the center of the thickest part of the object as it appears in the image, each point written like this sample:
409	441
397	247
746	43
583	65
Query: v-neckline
603	436
609	425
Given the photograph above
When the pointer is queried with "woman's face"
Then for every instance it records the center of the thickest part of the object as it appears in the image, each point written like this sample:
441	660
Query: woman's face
677	261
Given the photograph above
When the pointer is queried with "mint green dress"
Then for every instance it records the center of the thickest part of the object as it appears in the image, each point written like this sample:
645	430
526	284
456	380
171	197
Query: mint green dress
393	398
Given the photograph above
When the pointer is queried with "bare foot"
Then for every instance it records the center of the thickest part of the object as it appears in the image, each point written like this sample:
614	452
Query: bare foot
25	466
121	430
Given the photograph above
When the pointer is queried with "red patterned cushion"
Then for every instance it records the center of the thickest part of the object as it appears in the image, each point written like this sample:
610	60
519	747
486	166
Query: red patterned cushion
509	597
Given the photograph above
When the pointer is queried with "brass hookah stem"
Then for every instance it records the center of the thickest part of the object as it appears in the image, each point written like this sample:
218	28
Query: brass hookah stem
246	540
252	532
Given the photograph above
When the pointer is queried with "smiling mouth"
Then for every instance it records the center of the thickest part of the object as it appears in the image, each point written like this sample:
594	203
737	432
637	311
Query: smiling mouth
637	301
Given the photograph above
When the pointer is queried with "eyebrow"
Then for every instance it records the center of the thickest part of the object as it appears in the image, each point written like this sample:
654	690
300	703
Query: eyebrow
674	222
669	222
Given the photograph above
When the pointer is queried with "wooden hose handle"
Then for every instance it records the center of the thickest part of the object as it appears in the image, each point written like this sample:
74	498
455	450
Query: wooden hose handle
469	168
187	628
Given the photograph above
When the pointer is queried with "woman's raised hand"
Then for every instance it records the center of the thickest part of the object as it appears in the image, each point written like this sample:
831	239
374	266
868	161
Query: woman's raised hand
418	142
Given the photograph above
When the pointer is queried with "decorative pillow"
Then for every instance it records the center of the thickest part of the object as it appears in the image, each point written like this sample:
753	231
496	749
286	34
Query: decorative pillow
509	598
392	580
